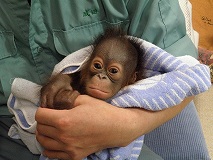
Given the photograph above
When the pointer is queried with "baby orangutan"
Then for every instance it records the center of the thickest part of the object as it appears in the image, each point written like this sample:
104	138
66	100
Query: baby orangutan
114	63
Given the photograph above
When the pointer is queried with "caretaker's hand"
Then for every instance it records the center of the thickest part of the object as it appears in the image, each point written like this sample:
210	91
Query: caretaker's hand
94	125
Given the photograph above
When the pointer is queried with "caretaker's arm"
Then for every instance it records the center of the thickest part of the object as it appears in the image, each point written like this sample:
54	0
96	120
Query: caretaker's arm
93	125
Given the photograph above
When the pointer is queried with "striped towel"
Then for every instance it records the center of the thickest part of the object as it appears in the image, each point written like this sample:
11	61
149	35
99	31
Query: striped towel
169	81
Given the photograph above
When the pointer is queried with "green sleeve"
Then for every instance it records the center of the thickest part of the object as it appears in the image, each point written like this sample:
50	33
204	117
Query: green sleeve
162	23
15	55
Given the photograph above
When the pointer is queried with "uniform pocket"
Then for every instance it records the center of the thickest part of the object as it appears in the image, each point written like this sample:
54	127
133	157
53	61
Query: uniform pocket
7	44
69	41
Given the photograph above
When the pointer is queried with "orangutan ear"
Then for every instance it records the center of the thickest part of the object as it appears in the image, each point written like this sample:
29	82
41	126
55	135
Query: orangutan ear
133	78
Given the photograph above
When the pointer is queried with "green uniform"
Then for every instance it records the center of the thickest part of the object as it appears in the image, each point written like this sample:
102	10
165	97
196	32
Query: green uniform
57	28
33	39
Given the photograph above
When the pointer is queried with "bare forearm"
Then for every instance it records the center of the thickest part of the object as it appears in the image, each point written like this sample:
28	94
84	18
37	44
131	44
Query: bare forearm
144	121
93	125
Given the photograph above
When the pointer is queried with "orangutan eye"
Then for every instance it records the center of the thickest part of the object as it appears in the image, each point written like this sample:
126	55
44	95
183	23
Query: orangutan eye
97	65
113	70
